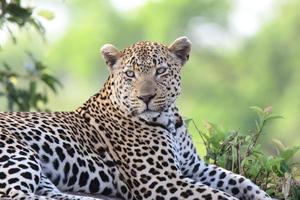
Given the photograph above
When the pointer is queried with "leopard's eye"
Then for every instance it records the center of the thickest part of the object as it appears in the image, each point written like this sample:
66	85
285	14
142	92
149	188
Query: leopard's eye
161	70
130	73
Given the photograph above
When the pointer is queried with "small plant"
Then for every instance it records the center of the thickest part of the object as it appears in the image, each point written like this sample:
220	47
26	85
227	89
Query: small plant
242	153
25	87
28	90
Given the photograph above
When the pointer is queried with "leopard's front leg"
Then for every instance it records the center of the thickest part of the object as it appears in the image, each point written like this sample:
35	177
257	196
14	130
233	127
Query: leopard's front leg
167	183
193	167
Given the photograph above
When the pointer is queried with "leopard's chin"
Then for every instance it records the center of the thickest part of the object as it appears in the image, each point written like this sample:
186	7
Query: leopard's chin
145	112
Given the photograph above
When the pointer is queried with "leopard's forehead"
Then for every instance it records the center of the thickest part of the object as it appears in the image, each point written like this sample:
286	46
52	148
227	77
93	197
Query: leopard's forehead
145	55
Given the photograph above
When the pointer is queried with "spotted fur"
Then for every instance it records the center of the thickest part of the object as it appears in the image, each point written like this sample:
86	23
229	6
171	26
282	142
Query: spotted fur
127	140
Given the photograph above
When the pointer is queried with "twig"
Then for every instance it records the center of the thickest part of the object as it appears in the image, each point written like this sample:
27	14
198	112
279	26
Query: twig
254	140
238	157
266	182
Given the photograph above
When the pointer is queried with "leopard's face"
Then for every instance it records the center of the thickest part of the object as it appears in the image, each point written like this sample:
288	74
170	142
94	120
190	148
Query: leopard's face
146	75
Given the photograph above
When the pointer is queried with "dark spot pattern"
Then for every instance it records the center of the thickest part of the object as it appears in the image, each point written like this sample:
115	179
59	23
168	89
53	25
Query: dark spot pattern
110	145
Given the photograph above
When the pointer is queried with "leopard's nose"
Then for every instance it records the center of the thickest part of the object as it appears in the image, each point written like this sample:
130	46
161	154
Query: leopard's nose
146	98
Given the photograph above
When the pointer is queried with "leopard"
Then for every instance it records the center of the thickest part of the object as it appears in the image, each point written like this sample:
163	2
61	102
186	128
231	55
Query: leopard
128	140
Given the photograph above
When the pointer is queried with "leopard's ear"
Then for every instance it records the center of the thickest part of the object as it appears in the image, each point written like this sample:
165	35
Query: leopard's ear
110	54
181	47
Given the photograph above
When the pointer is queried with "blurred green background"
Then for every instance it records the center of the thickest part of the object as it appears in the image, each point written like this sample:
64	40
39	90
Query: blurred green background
244	53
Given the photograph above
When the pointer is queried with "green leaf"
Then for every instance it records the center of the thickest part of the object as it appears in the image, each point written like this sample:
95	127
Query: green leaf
47	14
38	26
288	153
50	81
270	118
17	11
280	146
39	66
258	110
6	66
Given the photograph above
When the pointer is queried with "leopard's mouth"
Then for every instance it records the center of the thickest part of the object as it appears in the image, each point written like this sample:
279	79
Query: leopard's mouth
157	109
148	110
145	111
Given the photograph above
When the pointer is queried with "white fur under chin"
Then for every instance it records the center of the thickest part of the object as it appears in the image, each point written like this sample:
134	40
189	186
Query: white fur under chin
149	115
164	118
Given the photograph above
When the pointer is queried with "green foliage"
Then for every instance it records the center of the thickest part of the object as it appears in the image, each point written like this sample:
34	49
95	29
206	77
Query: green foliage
263	70
33	95
243	154
25	88
12	12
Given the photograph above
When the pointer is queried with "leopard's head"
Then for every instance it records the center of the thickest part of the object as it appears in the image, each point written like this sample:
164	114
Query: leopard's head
145	77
